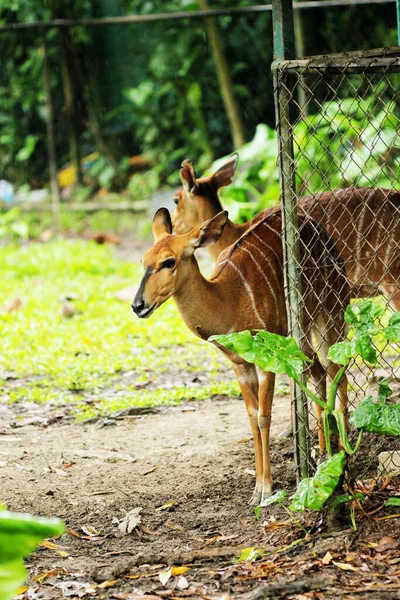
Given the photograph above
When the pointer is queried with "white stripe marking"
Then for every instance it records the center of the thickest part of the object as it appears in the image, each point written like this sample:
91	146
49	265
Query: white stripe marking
249	290
271	289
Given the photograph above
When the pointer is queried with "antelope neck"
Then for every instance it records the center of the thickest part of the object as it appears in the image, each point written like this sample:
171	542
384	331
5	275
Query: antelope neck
230	235
204	304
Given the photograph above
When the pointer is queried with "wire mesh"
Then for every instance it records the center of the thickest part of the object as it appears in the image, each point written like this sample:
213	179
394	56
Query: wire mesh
338	123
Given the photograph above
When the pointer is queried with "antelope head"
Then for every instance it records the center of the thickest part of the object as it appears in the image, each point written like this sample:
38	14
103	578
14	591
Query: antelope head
198	199
167	264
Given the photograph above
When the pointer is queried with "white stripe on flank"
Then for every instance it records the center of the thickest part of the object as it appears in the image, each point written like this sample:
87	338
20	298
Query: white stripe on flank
248	288
223	262
389	247
360	234
271	289
269	248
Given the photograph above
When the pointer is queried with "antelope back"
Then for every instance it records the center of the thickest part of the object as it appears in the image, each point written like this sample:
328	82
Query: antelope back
365	225
257	258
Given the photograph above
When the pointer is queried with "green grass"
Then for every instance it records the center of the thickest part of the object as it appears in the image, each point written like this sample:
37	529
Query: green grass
60	360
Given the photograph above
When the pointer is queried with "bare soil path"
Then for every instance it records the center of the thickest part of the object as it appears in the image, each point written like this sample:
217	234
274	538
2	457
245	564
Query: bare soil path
187	472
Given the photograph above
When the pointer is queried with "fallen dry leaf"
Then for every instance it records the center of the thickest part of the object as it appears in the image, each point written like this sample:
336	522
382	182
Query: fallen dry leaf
107	584
166	506
40	577
164	576
14	304
49	545
345	566
386	543
131	520
147	530
105	237
90	531
151	470
73	533
179	570
182	583
21	590
327	558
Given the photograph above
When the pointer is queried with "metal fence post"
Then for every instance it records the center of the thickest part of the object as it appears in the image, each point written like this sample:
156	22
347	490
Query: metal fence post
282	12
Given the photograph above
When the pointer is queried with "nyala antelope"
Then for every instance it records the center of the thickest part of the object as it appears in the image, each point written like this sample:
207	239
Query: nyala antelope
364	224
246	291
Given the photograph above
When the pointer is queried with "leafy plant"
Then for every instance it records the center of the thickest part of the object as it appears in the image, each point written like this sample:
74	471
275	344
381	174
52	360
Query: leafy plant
279	354
13	225
19	536
349	141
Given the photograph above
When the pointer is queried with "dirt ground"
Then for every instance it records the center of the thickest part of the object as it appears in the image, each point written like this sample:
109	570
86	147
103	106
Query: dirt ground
186	473
155	503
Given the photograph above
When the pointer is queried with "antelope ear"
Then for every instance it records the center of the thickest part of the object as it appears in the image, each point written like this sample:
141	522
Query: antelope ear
188	176
211	230
224	175
161	225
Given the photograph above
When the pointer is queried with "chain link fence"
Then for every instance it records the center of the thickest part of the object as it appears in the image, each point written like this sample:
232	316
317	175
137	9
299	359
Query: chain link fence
338	123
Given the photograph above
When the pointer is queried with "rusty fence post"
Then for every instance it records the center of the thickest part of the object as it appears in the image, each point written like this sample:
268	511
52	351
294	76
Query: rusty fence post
282	11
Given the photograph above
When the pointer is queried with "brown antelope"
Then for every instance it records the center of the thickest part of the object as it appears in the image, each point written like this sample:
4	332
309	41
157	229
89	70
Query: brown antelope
246	291
364	223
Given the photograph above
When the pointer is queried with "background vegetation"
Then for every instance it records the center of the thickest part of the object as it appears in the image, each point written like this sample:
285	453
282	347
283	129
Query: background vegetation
148	89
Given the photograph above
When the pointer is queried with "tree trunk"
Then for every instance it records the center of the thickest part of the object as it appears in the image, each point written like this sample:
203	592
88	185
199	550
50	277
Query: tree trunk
70	106
224	79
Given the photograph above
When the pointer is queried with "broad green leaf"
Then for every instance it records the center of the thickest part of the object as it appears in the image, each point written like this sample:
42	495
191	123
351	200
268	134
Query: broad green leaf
377	418
269	351
19	536
12	576
384	391
21	533
362	343
350	316
279	496
347	498
313	492
250	554
393	502
340	353
392	331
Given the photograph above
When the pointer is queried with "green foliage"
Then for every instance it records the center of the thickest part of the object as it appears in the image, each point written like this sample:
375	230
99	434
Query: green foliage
378	417
346	142
278	497
13	225
251	554
313	492
269	351
364	320
19	536
393	502
349	141
275	353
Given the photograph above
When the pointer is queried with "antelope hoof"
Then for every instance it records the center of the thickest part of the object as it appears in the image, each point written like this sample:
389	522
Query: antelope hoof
266	493
257	495
287	432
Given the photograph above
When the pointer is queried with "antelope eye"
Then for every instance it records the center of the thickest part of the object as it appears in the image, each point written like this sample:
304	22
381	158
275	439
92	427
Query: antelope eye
169	263
176	200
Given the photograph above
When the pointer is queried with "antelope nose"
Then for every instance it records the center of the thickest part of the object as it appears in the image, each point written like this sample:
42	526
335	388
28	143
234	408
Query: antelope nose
137	305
